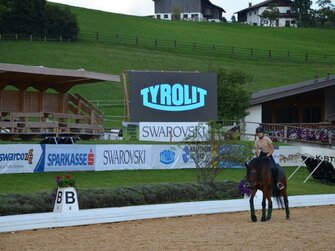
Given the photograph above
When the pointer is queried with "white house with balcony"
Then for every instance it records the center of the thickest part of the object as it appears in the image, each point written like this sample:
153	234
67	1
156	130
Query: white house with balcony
253	14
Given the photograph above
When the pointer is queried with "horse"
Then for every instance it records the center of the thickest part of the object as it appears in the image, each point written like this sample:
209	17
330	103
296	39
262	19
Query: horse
259	177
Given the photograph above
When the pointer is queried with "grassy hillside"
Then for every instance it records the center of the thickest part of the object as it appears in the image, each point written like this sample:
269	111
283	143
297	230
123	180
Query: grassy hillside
108	57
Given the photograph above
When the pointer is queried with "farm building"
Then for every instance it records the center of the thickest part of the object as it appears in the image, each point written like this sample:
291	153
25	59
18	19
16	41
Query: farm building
253	14
194	10
308	104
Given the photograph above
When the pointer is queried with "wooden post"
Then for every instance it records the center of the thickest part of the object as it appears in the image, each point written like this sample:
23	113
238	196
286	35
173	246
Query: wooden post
45	39
125	97
31	37
60	38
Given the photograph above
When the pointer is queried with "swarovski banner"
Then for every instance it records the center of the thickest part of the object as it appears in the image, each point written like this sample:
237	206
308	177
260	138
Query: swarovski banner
173	131
121	157
20	158
172	96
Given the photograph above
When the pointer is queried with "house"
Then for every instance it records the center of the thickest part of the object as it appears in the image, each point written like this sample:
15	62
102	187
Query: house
309	104
195	10
253	14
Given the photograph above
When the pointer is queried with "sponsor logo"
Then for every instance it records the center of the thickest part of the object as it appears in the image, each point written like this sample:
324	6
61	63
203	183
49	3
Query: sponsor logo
326	158
191	132
118	157
71	159
18	156
167	157
176	97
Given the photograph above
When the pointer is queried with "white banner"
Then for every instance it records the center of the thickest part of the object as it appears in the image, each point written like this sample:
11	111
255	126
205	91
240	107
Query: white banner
173	131
19	158
120	157
69	158
292	155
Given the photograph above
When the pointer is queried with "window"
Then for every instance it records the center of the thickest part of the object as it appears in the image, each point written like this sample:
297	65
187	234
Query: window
158	16
312	114
287	115
185	16
166	16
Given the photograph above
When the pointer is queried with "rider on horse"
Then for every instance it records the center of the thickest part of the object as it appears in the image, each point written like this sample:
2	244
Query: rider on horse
264	149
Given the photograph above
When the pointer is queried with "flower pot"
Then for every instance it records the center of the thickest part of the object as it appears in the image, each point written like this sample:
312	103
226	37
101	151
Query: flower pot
66	200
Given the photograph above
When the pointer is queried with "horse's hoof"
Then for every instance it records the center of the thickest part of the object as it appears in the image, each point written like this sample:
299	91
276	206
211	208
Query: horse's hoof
253	218
263	219
268	219
287	217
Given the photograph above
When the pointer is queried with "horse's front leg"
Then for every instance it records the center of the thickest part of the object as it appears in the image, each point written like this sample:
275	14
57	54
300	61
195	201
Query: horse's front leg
268	196
263	208
252	207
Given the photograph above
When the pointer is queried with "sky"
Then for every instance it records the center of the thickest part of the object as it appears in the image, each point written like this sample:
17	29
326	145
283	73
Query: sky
146	7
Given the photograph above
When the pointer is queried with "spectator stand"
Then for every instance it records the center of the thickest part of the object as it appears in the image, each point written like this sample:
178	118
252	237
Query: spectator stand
25	114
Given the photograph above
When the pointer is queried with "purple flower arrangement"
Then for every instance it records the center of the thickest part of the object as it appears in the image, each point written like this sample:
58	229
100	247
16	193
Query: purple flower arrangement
322	135
244	187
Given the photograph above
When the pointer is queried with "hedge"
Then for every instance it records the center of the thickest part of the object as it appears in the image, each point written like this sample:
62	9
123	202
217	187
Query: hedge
122	196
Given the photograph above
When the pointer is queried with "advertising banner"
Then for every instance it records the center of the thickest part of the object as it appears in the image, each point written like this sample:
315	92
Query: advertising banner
69	158
172	96
173	131
120	157
19	158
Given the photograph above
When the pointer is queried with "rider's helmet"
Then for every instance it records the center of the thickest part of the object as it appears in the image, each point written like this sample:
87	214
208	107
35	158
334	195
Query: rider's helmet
259	129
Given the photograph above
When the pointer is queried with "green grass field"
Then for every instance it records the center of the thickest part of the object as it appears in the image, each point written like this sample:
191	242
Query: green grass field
39	182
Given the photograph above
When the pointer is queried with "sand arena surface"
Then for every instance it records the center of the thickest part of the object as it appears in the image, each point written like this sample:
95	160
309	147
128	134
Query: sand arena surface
310	228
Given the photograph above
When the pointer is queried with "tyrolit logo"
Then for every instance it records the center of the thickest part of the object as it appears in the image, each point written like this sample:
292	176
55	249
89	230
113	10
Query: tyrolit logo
178	97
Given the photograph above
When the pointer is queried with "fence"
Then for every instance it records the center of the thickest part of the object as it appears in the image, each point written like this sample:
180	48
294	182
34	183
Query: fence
217	50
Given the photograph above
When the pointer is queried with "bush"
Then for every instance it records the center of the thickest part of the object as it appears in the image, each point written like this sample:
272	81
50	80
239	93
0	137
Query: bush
122	196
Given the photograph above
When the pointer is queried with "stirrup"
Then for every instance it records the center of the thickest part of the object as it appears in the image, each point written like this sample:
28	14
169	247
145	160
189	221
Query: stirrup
280	186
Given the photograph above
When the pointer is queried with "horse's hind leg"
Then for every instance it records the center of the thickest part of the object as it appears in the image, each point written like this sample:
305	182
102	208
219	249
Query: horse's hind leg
287	209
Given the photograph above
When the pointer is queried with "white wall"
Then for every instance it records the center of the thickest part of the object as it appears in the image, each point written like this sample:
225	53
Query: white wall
252	121
253	17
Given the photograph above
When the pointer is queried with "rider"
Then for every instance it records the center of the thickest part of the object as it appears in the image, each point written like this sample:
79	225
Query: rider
264	148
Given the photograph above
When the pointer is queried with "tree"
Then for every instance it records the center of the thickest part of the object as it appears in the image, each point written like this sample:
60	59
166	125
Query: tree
271	13
176	10
233	98
233	19
303	11
219	152
35	17
326	13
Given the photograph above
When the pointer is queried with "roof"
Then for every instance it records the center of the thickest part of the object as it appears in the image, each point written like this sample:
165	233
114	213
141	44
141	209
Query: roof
257	5
43	78
290	90
215	6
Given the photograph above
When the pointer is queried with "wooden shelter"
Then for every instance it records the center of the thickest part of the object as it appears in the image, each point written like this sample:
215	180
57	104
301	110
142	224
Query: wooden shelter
27	113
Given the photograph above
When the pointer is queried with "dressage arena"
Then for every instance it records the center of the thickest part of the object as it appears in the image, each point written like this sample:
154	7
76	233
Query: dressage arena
310	228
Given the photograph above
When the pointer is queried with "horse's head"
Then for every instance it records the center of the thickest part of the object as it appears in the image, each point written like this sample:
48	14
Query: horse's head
254	171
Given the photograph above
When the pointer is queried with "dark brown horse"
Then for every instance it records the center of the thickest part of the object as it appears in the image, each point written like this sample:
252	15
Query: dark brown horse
260	177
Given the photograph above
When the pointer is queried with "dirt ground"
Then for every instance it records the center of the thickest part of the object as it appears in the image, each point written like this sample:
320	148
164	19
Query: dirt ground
310	228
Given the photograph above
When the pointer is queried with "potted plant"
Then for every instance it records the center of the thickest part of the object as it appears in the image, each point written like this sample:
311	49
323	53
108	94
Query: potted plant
66	196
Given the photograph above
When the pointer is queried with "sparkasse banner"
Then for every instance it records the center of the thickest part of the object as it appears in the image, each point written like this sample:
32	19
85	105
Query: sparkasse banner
172	96
173	131
69	158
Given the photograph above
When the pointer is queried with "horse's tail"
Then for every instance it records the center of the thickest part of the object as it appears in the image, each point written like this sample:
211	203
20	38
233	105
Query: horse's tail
276	193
